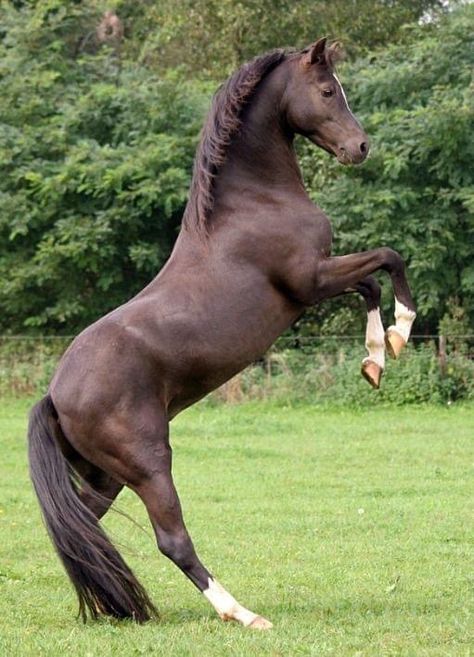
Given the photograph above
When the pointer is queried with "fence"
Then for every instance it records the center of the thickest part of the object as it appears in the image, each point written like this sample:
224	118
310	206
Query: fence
326	364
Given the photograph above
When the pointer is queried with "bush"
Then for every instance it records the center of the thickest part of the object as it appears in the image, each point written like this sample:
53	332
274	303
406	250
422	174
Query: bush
27	365
328	375
334	378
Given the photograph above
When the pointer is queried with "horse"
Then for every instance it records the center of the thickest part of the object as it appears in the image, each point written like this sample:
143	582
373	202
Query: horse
252	254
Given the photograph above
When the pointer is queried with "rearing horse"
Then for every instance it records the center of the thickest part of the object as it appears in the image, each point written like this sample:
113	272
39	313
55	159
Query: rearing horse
253	253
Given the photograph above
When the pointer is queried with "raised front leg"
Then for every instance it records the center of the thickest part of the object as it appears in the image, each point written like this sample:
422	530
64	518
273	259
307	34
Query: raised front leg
373	365
397	335
336	274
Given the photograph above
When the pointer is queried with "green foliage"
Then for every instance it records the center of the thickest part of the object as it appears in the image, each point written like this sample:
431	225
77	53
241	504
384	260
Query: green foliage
416	191
27	364
213	37
97	144
330	377
326	371
417	378
95	160
455	325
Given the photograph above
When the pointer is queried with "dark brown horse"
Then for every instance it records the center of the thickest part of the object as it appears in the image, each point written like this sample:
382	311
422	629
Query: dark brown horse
252	254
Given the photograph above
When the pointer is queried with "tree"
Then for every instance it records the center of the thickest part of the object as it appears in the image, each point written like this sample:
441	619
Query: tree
212	37
95	161
96	152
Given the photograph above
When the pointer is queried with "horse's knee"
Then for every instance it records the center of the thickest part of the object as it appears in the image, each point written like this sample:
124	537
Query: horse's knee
374	288
370	289
392	261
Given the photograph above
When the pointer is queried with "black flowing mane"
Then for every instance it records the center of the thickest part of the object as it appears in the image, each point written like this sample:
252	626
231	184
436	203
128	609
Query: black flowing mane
222	123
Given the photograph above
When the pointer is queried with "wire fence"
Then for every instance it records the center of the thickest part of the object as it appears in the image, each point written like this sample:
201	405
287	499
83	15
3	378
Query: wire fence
27	363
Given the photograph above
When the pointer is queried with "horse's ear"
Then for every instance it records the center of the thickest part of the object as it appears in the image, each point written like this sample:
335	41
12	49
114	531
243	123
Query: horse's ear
315	53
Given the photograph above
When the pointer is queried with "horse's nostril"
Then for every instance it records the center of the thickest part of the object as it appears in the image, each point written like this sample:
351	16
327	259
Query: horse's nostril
363	147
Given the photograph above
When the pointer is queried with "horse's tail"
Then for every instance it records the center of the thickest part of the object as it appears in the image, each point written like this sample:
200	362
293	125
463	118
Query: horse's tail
103	581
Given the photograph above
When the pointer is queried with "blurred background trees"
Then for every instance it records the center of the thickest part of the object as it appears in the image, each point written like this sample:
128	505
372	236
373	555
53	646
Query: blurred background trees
98	131
213	37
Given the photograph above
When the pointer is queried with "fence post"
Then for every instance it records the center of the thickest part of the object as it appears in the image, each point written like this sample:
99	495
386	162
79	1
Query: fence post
442	355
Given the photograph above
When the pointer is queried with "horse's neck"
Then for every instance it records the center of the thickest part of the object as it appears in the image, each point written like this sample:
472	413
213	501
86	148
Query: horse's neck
262	155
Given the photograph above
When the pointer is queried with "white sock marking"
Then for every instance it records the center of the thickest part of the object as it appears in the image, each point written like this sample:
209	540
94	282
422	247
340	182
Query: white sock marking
374	338
226	605
404	318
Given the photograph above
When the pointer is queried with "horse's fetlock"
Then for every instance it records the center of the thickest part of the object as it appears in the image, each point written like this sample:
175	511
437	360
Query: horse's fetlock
374	342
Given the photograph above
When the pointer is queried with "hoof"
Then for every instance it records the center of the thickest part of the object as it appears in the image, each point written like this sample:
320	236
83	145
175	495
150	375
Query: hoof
371	372
394	342
260	623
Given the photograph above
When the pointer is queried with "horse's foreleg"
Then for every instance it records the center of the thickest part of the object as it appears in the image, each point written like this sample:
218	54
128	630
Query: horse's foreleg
159	495
336	274
397	335
373	365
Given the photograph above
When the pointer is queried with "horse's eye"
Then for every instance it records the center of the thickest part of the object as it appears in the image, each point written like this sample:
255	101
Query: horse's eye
327	93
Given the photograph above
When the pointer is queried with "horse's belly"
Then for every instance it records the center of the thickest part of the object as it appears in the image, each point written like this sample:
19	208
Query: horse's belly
202	351
177	350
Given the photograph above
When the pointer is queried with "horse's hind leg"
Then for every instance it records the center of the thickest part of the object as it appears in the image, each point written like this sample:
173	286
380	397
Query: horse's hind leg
98	491
97	488
156	489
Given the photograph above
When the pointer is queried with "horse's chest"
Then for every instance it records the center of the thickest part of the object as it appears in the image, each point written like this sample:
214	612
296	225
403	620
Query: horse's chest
317	234
309	243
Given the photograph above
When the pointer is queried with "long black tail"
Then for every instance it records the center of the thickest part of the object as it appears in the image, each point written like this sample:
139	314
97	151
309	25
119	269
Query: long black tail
103	581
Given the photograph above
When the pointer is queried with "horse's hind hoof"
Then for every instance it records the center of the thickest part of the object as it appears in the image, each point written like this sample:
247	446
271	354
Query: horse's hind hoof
260	623
371	372
394	342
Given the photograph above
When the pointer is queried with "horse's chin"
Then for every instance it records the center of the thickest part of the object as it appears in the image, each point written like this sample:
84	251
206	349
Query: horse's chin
325	147
351	155
346	159
343	158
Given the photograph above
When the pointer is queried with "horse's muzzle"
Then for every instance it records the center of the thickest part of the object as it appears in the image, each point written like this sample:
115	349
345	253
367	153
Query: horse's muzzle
353	152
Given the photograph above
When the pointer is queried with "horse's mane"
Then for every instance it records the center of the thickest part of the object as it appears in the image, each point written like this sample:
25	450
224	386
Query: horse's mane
222	124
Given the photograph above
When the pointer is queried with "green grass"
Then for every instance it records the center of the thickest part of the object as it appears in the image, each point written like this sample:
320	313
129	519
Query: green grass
350	530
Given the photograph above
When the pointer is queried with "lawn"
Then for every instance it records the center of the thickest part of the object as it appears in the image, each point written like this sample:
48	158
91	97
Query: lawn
349	530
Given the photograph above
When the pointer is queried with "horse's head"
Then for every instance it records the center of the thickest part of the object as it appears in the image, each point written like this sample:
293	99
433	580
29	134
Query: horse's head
316	105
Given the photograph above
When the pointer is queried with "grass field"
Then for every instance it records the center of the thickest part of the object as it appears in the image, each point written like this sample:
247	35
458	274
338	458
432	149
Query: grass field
350	530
